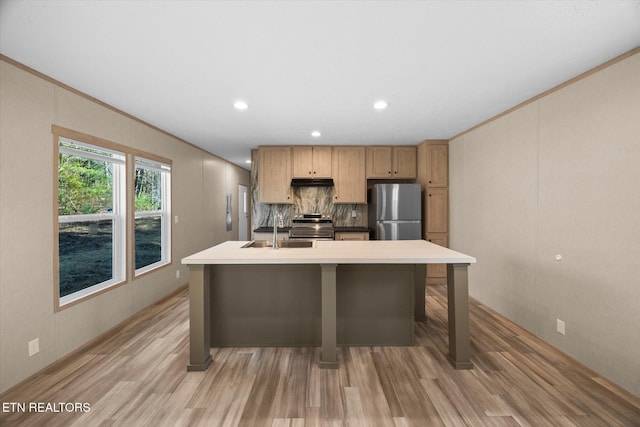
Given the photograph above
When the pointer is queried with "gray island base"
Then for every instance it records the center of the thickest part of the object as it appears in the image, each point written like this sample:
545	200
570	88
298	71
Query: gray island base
334	294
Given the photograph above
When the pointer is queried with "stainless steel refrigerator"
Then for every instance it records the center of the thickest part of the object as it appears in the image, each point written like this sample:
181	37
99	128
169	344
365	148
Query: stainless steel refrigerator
395	212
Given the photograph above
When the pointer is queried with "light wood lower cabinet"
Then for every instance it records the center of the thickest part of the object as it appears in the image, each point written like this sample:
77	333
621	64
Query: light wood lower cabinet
351	235
437	201
437	273
282	235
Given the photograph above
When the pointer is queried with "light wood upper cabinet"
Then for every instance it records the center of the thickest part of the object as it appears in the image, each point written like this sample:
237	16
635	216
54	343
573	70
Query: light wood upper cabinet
322	162
391	162
302	162
311	162
437	165
349	175
405	162
379	162
274	174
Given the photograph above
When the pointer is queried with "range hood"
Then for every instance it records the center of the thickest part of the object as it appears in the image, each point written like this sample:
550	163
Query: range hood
312	182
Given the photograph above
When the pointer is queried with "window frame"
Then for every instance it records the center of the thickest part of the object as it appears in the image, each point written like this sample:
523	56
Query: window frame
127	217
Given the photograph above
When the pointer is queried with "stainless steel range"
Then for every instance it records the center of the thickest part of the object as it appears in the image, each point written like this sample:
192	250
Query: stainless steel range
311	226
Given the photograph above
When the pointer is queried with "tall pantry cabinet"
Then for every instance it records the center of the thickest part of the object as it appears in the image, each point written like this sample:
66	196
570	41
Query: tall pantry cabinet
433	175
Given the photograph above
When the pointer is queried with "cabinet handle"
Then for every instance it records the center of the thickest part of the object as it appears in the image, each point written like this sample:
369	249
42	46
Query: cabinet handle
309	172
314	172
389	172
429	182
429	195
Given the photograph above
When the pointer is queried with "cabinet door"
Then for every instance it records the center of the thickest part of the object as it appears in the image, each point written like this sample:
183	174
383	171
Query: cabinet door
404	162
437	210
274	175
269	236
351	235
437	165
302	162
349	175
322	162
379	162
437	270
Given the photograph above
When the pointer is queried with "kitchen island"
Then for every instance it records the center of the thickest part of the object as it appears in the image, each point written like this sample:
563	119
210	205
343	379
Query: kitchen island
334	293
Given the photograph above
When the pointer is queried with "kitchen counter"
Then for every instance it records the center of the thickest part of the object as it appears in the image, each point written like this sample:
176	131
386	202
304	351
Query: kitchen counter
304	288
333	252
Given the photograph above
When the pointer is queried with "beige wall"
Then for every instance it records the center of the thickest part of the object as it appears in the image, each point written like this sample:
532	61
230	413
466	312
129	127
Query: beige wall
560	176
29	105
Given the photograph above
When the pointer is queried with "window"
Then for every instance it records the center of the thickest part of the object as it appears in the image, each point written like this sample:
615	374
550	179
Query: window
152	183
113	214
91	218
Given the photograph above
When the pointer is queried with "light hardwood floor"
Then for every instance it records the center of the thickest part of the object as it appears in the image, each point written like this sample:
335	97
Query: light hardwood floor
137	376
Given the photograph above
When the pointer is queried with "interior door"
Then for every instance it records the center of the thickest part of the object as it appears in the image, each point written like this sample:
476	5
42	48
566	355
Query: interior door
243	213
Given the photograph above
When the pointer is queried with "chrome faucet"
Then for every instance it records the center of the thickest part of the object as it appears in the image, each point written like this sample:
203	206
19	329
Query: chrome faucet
277	220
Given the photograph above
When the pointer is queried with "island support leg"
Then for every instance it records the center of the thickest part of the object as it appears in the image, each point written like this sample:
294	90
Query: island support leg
199	318
329	356
419	313
458	304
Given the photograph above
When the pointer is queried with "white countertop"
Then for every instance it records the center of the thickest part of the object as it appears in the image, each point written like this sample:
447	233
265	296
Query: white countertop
333	252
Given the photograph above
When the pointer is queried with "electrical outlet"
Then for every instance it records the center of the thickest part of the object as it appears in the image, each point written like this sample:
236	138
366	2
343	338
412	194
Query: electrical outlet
177	274
176	219
560	326
354	213
34	347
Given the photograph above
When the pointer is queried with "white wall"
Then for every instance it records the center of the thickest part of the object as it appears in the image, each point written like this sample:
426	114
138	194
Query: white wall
560	176
29	105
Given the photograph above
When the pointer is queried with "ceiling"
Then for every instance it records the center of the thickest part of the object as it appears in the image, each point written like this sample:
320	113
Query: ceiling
442	66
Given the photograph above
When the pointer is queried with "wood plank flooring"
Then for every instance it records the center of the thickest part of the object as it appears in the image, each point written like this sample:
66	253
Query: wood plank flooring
137	377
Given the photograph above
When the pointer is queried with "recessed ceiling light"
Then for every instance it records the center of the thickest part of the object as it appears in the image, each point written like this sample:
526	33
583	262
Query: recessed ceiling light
380	105
240	105
316	134
247	161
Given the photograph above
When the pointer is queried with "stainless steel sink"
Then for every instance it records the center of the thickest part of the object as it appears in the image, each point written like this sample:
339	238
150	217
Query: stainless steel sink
281	244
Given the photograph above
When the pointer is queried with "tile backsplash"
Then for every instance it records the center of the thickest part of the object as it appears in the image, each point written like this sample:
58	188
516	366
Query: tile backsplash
305	200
